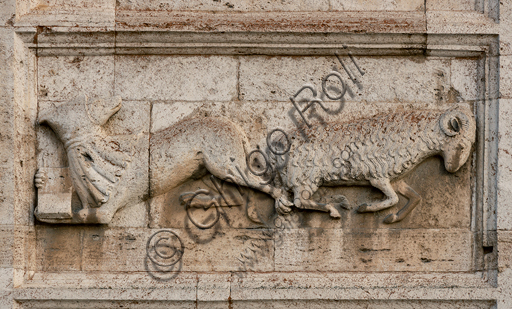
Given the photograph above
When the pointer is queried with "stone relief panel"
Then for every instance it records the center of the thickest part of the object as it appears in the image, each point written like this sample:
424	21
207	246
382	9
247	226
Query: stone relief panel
256	163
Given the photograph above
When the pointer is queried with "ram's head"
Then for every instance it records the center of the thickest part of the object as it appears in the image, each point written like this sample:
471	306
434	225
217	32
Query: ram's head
458	127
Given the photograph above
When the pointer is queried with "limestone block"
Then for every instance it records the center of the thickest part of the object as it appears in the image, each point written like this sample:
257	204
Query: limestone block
6	116
279	78
355	5
307	286
124	250
505	166
58	248
194	78
132	118
7	12
506	77
66	13
7	246
224	5
131	216
360	304
460	22
451	5
505	9
6	196
464	80
105	304
74	5
64	77
382	250
6	277
504	250
24	252
212	288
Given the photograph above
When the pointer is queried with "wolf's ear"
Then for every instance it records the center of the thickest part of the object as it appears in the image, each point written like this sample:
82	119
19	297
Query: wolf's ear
101	110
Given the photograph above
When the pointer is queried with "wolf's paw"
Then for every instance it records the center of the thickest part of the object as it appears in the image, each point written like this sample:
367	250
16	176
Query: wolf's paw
95	215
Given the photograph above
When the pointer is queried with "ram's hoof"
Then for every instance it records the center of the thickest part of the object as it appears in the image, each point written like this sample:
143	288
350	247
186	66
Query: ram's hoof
363	208
283	206
391	218
334	213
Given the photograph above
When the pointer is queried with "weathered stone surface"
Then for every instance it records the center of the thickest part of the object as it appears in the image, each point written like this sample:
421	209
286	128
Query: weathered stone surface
378	250
59	249
178	91
62	78
233	5
505	166
451	5
193	78
278	78
505	77
354	5
7	245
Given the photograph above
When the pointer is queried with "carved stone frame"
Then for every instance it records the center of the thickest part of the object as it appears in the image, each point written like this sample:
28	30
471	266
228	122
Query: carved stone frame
410	37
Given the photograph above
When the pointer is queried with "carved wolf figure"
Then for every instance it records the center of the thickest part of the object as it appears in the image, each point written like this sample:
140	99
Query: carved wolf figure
186	150
374	152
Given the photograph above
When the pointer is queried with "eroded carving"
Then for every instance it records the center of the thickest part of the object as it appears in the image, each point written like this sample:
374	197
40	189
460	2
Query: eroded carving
374	151
188	149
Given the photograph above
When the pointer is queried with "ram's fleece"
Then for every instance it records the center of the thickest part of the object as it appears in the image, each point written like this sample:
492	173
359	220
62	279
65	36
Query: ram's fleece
374	152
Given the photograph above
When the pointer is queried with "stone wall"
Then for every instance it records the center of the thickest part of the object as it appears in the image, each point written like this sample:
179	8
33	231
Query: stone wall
255	154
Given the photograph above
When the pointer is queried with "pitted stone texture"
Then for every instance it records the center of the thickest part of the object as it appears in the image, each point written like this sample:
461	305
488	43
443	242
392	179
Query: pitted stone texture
6	245
107	304
506	77
377	5
131	216
225	5
7	130
415	79
122	250
504	250
6	196
359	304
451	5
187	78
464	80
132	118
505	9
71	6
59	248
6	285
64	77
168	211
7	13
378	250
505	166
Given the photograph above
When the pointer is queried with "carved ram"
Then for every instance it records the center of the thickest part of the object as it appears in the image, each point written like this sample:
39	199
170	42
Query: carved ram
374	152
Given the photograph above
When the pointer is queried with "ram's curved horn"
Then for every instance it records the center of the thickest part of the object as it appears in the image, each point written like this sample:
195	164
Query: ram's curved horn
454	122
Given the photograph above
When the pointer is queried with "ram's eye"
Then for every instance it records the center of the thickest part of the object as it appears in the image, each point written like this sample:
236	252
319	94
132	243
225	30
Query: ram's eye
455	124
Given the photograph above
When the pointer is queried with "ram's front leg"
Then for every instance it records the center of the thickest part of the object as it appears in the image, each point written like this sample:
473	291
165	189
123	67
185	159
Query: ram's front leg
384	185
413	200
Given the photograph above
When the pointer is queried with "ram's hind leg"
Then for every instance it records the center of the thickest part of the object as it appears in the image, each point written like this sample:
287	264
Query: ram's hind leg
413	200
384	185
302	199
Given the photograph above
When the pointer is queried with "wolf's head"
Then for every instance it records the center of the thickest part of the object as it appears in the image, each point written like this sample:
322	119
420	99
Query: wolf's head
79	116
